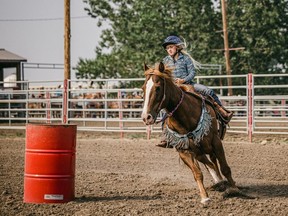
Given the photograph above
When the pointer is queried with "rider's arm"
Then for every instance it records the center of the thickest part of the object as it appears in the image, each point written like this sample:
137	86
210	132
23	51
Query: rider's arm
190	69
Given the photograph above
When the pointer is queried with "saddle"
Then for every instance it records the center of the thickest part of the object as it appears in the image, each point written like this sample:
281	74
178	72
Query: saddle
222	123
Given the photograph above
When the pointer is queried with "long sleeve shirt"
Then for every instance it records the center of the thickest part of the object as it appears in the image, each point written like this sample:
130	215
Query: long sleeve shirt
183	67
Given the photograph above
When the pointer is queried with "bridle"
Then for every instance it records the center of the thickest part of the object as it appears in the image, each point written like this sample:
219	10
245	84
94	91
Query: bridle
169	114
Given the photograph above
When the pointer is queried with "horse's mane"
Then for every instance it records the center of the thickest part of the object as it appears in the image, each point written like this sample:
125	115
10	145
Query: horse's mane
166	72
168	75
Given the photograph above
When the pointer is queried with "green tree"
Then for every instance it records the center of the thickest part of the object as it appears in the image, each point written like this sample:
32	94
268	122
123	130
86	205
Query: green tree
137	29
260	27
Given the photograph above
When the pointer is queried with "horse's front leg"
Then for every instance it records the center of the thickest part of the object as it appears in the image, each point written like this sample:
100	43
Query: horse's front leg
193	164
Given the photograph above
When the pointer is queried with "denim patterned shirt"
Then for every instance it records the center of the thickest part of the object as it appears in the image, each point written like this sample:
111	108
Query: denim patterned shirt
183	67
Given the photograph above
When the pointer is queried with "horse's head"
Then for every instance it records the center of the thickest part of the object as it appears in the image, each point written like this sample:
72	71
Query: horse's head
154	90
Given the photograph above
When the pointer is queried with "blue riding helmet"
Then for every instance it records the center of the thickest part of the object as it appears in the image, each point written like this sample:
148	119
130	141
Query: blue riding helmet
171	40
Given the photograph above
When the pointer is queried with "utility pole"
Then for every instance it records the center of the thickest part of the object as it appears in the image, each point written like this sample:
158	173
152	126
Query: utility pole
67	58
226	47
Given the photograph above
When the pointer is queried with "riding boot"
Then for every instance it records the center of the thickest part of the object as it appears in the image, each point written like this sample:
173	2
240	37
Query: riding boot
226	114
163	143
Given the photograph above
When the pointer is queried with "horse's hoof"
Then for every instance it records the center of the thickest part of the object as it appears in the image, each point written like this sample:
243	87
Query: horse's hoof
236	192
205	201
220	186
231	192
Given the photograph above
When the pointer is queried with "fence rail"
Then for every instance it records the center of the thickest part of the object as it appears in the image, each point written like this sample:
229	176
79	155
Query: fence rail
116	105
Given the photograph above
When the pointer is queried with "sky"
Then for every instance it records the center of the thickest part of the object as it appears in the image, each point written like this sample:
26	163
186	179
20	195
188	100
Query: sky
34	29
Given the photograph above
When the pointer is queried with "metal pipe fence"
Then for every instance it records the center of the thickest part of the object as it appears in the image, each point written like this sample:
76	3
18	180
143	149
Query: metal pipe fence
111	105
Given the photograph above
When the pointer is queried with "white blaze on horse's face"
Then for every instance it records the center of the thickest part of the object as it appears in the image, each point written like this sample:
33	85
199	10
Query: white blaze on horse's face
149	86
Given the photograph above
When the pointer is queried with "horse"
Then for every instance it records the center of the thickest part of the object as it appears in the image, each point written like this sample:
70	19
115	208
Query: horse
194	141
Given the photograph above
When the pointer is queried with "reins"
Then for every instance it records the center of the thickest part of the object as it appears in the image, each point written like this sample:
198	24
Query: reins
163	98
179	103
169	114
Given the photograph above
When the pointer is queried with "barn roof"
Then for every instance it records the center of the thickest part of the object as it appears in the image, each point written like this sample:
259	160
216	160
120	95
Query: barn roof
6	56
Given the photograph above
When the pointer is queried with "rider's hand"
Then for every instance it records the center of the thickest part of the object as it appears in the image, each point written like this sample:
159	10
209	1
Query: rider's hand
179	81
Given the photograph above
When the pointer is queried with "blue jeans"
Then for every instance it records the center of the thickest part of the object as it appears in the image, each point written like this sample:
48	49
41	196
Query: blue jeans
204	90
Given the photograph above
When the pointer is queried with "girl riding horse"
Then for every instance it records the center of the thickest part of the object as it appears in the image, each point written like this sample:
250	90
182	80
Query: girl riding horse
184	73
191	126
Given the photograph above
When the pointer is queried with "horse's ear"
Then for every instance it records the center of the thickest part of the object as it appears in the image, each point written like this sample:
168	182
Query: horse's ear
161	67
145	66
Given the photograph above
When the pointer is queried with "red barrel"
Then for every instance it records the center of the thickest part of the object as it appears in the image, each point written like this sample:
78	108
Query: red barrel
49	163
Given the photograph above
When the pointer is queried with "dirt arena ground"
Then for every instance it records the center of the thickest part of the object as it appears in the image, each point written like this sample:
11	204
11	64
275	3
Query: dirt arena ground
131	176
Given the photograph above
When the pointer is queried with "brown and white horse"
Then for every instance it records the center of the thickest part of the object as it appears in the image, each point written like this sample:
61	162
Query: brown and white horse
184	112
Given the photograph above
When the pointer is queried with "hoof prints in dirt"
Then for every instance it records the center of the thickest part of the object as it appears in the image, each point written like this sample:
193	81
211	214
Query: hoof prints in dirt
133	177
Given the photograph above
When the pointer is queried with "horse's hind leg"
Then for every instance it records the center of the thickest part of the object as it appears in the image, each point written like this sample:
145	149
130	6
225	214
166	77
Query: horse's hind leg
211	166
220	155
215	164
220	184
192	163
